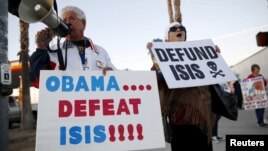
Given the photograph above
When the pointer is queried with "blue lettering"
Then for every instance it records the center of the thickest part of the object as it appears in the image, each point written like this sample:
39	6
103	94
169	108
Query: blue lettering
67	83
62	135
52	83
87	135
112	84
75	135
97	83
81	84
100	135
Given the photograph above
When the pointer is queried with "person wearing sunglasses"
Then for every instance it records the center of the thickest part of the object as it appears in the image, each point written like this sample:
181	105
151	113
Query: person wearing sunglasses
188	109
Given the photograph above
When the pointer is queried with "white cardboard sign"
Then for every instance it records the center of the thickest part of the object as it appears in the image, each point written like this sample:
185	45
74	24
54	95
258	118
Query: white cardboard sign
190	64
84	110
254	93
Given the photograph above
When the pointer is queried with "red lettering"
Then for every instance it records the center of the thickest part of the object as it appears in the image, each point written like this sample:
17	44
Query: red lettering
122	107
135	104
65	108
93	106
80	108
108	106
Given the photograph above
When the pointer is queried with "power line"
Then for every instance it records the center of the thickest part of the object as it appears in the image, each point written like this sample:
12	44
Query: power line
239	32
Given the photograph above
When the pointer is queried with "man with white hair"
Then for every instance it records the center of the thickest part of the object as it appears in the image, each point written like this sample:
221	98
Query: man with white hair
76	52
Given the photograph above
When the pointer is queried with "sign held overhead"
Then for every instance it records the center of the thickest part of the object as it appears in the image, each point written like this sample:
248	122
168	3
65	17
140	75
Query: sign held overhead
190	64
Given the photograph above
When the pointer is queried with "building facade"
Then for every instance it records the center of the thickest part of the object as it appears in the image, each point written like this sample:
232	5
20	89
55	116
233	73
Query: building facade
243	68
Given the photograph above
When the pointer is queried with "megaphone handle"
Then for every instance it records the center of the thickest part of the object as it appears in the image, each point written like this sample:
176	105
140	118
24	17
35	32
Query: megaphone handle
63	64
55	6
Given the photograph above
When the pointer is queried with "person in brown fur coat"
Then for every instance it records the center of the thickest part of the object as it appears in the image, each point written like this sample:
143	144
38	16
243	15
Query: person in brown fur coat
188	110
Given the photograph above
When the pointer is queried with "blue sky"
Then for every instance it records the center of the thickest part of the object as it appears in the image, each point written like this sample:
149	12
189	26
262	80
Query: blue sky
123	27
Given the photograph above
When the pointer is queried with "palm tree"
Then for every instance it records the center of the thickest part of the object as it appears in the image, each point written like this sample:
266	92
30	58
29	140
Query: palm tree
27	119
170	11
177	10
162	92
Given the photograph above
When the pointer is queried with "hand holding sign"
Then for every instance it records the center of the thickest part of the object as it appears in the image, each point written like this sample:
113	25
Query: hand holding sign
189	64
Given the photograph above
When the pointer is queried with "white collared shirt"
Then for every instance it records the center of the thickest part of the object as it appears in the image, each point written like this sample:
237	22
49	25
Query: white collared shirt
95	59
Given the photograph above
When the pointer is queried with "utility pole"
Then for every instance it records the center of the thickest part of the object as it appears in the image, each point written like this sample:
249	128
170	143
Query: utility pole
4	130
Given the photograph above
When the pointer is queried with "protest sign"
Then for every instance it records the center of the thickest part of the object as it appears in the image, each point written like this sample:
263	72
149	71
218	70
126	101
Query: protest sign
189	64
254	94
84	110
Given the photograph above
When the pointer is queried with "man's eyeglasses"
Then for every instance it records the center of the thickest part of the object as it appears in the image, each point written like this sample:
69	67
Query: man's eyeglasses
174	29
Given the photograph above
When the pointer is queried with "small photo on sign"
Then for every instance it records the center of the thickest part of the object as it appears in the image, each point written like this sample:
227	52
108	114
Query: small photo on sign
254	93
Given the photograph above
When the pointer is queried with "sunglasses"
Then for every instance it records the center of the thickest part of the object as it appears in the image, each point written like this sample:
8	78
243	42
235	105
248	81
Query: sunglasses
174	29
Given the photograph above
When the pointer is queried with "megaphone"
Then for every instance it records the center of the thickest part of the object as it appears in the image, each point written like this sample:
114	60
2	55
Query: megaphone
32	11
